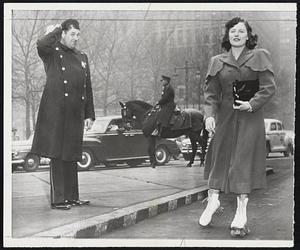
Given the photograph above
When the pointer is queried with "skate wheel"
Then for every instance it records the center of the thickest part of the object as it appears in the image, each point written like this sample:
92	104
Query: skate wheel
239	232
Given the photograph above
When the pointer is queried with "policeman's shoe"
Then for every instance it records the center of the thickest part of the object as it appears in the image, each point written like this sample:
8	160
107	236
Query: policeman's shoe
79	202
62	206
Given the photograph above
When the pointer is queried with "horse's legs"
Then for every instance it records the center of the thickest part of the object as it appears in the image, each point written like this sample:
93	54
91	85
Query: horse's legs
194	150
203	144
151	149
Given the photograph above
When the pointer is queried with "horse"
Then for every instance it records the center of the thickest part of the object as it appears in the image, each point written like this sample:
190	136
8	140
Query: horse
144	117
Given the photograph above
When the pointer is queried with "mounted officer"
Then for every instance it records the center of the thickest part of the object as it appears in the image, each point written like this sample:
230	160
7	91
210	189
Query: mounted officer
166	104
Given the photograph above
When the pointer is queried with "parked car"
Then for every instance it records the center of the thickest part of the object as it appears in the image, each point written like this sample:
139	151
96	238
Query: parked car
109	143
278	139
21	156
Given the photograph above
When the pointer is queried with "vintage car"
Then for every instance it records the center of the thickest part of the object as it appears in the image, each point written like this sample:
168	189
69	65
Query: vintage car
278	139
22	158
109	143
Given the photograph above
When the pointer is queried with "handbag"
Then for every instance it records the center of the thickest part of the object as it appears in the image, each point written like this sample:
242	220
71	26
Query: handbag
244	90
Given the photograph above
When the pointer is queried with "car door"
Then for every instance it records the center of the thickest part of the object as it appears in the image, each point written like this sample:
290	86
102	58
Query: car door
136	144
281	136
274	137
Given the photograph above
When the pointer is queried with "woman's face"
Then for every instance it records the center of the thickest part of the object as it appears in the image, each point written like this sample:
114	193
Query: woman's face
238	35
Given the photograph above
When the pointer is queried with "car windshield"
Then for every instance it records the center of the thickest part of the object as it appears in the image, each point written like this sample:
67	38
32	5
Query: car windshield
99	126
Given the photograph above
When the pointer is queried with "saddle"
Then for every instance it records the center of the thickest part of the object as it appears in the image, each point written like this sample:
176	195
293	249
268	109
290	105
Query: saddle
180	119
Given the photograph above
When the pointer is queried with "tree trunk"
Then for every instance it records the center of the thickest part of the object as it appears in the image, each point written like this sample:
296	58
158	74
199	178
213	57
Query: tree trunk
27	119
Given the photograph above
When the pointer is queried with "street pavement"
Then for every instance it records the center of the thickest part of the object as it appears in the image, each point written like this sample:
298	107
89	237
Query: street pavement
270	215
117	193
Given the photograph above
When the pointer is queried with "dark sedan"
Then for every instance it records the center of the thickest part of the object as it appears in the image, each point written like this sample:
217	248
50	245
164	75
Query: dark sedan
109	143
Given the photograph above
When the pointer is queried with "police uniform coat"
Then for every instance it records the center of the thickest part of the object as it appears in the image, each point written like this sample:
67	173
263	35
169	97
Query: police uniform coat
236	160
167	105
66	101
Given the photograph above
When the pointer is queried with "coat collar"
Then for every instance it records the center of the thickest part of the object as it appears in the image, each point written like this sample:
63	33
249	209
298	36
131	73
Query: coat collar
67	49
228	58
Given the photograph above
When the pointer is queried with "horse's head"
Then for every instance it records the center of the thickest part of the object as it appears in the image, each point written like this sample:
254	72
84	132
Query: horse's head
134	111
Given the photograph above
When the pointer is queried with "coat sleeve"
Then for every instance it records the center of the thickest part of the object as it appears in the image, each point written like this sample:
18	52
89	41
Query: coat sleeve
167	96
45	45
212	88
89	111
262	64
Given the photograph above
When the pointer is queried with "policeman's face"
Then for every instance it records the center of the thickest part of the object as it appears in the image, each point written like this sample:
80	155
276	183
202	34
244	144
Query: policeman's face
238	35
164	82
70	37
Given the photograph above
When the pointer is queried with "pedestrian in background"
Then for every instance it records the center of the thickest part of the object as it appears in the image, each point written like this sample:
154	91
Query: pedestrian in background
66	107
236	160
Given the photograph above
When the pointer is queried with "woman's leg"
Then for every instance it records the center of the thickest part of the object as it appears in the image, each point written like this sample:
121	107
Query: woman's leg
213	204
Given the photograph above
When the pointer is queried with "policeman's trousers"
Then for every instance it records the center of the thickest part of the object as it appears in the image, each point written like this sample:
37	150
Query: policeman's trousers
63	181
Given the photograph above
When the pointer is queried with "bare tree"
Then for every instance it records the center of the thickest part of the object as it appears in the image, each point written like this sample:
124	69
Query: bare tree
26	76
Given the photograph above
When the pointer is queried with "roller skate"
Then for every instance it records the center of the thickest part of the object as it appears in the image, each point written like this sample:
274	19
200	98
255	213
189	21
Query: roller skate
213	206
238	226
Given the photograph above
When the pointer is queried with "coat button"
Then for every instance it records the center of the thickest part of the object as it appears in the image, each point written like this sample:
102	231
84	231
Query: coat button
82	97
63	68
65	81
61	56
66	94
84	86
57	48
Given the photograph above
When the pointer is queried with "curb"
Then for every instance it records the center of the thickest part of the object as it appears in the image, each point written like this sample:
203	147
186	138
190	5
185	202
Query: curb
98	225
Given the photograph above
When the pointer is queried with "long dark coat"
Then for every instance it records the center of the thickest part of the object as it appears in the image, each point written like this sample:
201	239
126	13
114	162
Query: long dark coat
66	101
167	105
236	160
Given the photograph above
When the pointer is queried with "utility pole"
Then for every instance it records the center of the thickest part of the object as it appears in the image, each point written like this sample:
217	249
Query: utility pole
186	68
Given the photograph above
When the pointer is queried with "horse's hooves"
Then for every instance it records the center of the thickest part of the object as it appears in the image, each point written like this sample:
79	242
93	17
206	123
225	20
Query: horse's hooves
189	165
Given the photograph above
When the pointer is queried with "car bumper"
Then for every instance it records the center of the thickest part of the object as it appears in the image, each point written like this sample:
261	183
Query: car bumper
17	162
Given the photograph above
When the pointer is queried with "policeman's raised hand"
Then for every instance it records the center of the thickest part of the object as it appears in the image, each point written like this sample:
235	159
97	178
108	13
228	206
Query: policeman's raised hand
244	106
88	123
210	124
50	28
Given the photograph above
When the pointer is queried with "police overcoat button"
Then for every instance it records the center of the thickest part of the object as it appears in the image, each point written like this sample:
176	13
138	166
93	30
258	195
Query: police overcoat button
84	86
65	81
66	94
83	64
61	56
63	68
57	48
82	97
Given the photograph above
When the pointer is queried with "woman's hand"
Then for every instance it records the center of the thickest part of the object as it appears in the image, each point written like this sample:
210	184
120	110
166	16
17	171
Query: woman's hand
88	123
210	124
244	106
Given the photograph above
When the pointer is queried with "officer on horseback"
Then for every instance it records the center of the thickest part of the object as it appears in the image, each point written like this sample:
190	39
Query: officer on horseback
166	104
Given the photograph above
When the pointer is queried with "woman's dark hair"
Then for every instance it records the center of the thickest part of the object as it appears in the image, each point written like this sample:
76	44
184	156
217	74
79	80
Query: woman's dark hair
252	38
70	23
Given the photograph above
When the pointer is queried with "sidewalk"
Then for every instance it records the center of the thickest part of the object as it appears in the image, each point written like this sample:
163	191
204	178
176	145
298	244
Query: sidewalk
119	198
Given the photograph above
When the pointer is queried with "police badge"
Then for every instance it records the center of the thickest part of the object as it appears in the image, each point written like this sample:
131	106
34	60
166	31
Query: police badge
83	64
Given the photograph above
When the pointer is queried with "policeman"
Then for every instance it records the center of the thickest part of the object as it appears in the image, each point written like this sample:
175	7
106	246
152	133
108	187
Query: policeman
66	107
166	104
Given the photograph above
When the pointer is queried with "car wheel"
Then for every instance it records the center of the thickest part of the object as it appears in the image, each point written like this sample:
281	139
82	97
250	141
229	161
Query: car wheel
162	155
87	161
135	163
267	150
288	151
186	156
31	163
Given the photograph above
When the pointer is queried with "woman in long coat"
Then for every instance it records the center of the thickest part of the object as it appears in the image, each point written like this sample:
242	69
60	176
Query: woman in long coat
236	160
